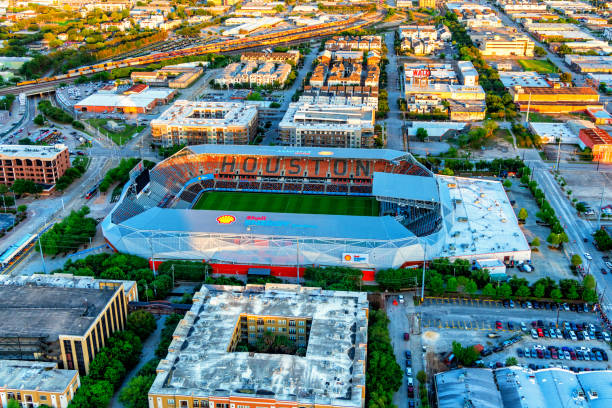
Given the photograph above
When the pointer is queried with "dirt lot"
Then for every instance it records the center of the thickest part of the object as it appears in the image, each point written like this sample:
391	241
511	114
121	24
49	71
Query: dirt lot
590	191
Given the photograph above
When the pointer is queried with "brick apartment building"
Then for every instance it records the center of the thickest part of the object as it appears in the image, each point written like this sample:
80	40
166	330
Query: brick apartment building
41	164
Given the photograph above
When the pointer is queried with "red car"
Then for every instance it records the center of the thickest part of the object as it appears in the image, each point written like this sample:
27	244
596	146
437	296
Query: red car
498	325
406	336
540	353
540	332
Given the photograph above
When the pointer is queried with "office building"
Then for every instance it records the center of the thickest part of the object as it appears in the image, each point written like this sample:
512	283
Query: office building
502	42
41	164
63	322
214	359
327	125
590	63
36	383
427	4
188	122
139	99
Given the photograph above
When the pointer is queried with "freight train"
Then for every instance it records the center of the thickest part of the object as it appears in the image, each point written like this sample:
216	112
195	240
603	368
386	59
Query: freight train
263	40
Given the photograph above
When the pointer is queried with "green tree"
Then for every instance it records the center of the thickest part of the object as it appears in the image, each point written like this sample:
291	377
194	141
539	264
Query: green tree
572	293
576	260
466	355
421	377
590	296
539	51
535	242
556	294
470	287
39	120
141	323
523	291
134	395
421	134
581	208
451	284
565	77
21	186
511	361
507	183
504	291
436	284
589	282
539	290
489	290
522	215
490	126
13	403
22	208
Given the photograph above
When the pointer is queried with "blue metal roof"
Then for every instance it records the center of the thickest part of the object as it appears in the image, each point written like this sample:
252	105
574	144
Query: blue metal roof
405	187
316	226
331	153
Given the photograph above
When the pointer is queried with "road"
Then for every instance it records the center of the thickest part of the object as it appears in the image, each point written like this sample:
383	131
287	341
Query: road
577	229
394	121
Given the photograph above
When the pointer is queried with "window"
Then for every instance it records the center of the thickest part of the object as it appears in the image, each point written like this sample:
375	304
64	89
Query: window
68	352
42	397
170	401
271	321
301	323
79	356
301	330
292	338
196	404
272	329
282	322
183	404
252	328
252	335
292	330
282	329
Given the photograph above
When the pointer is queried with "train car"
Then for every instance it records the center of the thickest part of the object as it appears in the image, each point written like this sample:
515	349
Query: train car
22	83
58	77
15	251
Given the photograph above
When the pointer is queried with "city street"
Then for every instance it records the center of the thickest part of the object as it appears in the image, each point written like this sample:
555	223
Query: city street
394	120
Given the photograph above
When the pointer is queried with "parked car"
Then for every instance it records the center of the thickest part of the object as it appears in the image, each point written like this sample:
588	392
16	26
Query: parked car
534	334
406	336
588	256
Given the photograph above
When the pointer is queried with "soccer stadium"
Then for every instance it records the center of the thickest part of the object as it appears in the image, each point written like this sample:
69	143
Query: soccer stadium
276	210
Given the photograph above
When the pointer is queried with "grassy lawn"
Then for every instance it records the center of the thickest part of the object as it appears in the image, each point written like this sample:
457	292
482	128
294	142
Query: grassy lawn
287	203
539	117
540	66
119	138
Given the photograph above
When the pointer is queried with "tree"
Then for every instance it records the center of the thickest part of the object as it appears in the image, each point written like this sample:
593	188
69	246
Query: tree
511	361
590	296
421	377
581	208
142	323
39	120
535	242
553	239
134	395
436	284
13	403
490	126
22	186
564	49
525	179
466	355
523	291
451	284
22	208
421	134
576	260
556	294
539	51
539	290
522	215
504	291
470	287
489	290
589	282
565	77
507	183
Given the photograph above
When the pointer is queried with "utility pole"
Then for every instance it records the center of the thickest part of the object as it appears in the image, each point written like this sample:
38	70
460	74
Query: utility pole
603	189
558	155
297	272
42	257
528	107
423	280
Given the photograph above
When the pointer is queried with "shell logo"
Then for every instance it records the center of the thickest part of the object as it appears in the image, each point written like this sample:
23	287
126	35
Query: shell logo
347	257
326	153
226	219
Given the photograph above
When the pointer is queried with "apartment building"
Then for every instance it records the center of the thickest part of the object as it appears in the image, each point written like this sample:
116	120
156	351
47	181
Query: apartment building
327	125
361	43
214	361
253	73
61	322
502	42
36	383
474	15
41	164
188	122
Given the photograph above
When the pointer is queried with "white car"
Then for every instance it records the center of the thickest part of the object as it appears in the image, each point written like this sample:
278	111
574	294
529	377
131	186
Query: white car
586	335
409	372
573	335
534	333
605	336
588	256
401	298
409	380
567	356
609	265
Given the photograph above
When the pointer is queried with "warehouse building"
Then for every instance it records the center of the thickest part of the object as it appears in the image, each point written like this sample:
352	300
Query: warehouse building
600	143
36	383
67	324
141	99
213	360
590	63
41	164
327	126
555	99
188	122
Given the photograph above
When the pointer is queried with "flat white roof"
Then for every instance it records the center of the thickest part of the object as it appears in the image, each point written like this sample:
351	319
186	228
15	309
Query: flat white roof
511	79
32	151
551	132
190	113
137	100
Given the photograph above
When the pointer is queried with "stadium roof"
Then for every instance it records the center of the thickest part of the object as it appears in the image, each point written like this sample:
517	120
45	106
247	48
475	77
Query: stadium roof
421	188
310	152
266	223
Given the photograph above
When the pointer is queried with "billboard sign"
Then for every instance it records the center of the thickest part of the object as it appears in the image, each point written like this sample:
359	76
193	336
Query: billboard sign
354	258
421	73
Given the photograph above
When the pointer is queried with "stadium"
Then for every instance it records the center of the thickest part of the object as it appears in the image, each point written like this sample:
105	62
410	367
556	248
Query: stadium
276	210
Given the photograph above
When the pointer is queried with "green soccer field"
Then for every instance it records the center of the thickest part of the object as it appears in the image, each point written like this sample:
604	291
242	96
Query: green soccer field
287	203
